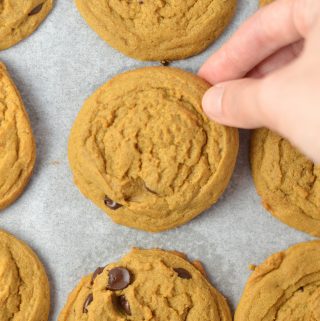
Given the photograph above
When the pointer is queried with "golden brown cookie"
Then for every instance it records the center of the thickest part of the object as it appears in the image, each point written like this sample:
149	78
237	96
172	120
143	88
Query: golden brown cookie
143	150
288	183
286	287
158	29
265	2
17	146
24	286
20	18
146	285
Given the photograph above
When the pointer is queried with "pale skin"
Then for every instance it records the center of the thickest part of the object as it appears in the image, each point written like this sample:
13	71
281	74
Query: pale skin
268	74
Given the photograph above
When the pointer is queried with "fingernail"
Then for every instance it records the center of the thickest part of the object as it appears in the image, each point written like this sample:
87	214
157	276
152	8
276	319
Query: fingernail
212	102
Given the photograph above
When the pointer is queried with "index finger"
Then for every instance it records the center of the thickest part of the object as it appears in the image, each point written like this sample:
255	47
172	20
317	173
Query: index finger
271	28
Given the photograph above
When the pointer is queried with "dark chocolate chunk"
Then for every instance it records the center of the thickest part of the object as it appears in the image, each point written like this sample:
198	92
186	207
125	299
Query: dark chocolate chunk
36	10
164	62
119	279
87	302
111	204
182	273
124	304
98	271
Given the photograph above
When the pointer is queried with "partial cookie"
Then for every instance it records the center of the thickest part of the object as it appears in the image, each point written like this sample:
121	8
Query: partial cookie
143	150
286	287
17	147
146	285
20	18
265	2
24	286
288	183
158	29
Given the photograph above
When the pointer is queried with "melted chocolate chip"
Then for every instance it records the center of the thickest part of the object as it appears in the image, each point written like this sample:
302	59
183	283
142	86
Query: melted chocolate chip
119	279
36	10
124	304
182	273
87	302
98	271
111	204
164	62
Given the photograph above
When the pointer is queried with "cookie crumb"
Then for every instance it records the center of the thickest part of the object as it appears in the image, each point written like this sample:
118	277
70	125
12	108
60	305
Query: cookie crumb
252	267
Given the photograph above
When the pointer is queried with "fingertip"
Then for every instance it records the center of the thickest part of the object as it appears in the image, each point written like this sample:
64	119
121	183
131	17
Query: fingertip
212	102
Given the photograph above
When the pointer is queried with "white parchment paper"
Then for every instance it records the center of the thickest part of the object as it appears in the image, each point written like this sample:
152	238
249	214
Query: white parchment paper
56	69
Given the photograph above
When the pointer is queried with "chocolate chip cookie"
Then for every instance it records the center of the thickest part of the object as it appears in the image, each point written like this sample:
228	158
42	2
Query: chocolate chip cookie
143	150
288	183
20	18
17	146
285	287
158	29
146	285
24	287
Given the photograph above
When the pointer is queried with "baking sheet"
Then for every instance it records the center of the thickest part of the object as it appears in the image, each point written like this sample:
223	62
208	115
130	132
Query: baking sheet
56	69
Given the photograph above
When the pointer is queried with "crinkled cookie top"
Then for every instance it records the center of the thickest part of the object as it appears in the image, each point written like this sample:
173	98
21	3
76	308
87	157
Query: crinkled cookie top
19	18
142	149
158	29
285	287
24	288
17	146
146	285
288	183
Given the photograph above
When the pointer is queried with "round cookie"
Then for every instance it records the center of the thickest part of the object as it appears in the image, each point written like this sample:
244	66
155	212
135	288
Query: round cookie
288	183
20	18
24	286
146	285
158	29
17	148
285	287
142	149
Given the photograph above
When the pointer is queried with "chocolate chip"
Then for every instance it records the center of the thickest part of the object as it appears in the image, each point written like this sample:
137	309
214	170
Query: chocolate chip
182	273
124	304
87	302
111	204
36	10
98	271
164	62
119	279
140	1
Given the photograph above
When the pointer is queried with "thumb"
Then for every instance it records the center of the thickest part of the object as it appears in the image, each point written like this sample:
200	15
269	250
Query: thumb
235	103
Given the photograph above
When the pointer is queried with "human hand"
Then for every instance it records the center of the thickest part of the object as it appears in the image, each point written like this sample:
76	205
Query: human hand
278	51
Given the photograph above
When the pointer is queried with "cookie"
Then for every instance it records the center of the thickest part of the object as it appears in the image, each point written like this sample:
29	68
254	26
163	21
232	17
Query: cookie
17	146
143	151
20	18
158	29
146	285
288	183
265	2
285	287
24	286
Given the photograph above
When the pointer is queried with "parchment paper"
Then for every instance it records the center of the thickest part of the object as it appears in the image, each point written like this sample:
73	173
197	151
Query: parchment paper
56	69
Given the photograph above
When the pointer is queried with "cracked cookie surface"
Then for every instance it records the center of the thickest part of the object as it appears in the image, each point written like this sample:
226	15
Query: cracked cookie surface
158	29
288	183
142	149
162	286
17	146
20	18
285	287
24	287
